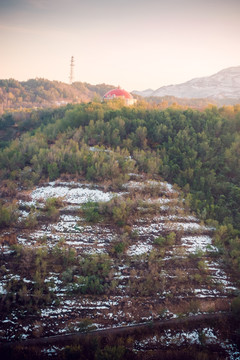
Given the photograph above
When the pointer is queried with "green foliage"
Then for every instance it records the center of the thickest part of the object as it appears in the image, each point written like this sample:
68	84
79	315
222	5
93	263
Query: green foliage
160	241
91	212
42	92
31	220
64	256
8	214
6	120
30	295
111	353
169	240
51	208
95	265
197	150
119	210
202	266
119	247
120	214
92	284
67	275
53	171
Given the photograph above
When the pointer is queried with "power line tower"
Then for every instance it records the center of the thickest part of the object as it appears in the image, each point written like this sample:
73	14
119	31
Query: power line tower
71	70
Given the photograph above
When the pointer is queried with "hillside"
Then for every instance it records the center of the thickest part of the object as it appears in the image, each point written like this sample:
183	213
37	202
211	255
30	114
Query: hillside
223	88
115	217
42	93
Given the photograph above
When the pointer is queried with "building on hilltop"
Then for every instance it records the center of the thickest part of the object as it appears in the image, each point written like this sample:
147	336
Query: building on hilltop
120	93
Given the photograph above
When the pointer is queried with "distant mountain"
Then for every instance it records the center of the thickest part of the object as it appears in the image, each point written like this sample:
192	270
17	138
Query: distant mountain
144	93
223	85
42	93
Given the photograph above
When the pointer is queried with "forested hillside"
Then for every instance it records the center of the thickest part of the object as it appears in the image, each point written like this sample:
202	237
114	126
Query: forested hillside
44	93
115	216
199	151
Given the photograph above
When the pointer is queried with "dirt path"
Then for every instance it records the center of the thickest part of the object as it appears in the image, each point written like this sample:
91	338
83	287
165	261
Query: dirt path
123	330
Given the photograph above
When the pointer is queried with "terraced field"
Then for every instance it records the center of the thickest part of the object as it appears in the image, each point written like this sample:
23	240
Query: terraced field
149	259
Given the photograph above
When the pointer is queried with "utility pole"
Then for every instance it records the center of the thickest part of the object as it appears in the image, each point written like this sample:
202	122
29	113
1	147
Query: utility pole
71	70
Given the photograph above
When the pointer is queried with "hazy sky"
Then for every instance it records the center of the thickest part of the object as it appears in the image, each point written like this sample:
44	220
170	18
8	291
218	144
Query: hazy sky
137	44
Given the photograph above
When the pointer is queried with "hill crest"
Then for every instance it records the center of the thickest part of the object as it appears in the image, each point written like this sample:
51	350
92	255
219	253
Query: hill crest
225	84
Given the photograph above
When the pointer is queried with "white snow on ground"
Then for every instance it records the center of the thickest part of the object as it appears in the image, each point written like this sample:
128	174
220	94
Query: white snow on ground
67	306
174	217
139	249
87	238
94	250
70	209
192	226
161	200
23	214
171	209
206	293
67	223
30	203
88	234
219	276
95	238
170	337
194	243
69	218
3	291
157	228
5	250
163	186
78	195
72	184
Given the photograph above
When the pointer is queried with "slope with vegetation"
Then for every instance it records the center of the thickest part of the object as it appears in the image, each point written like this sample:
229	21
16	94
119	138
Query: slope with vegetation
44	93
199	151
139	254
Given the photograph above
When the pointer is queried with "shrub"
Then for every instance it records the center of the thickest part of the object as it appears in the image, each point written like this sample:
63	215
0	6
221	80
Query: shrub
50	208
111	353
163	241
53	171
119	247
31	220
8	214
87	285
160	241
91	211
171	238
67	275
202	266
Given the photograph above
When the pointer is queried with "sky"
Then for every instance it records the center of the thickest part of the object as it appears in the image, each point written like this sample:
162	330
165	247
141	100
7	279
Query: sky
135	44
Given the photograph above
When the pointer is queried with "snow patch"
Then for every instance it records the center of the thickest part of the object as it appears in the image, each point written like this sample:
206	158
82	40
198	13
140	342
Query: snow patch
139	249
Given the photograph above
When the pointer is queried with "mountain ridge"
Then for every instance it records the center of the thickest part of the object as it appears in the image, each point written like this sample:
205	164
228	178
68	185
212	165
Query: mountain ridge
223	84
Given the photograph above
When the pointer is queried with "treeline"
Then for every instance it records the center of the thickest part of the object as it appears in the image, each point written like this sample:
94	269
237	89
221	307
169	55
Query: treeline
196	103
199	151
45	93
31	119
13	124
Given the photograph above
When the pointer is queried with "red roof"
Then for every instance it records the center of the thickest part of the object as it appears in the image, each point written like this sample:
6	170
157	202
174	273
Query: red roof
117	93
